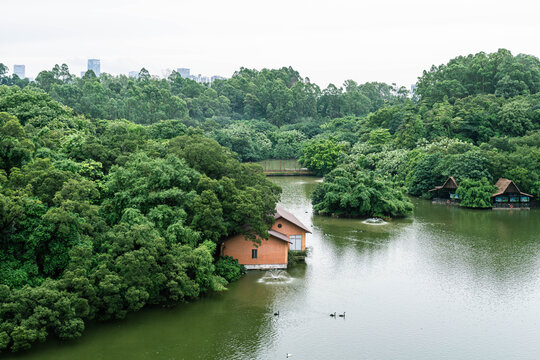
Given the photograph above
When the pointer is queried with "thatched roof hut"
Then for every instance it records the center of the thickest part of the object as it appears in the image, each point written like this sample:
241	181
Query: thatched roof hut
508	187
449	184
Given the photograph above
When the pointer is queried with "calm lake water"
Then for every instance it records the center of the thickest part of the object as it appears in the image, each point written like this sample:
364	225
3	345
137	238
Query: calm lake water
448	283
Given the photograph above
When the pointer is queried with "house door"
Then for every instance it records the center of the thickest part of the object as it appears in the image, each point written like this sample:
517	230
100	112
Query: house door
296	242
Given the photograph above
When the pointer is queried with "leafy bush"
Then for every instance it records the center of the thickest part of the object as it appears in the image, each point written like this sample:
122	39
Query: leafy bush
321	155
229	268
347	191
476	193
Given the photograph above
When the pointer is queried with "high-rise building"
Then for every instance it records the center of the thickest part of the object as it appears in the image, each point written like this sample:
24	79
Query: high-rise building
201	79
184	72
216	77
19	70
95	66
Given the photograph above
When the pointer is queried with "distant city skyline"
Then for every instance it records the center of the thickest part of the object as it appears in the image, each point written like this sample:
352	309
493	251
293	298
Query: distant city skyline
95	66
389	41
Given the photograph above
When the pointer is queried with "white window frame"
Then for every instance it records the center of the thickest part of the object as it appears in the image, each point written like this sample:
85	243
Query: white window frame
296	244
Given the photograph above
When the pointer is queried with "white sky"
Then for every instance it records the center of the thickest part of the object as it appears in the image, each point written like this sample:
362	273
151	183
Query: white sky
327	41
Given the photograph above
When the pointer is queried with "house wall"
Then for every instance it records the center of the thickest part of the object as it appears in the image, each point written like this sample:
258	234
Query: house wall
289	229
269	252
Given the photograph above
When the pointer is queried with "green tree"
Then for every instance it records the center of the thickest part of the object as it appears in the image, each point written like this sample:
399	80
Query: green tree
423	173
15	148
321	155
288	144
347	191
476	193
515	117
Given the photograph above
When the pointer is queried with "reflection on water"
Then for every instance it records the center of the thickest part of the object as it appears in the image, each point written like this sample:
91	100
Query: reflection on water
447	283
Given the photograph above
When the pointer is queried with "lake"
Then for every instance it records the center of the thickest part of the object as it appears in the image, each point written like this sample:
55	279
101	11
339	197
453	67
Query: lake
446	283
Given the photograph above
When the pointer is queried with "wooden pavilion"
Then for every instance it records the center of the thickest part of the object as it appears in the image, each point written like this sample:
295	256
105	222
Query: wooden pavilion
446	192
508	196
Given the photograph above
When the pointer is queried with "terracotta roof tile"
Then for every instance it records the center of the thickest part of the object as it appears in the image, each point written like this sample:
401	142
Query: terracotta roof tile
282	213
279	235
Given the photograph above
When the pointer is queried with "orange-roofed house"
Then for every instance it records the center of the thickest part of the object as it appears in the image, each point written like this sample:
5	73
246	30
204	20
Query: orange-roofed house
287	233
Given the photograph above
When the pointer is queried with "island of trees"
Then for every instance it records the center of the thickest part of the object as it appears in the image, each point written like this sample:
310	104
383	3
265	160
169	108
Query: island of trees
115	191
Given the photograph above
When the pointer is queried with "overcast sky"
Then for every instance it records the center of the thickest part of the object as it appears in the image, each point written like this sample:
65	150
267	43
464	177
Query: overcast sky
327	41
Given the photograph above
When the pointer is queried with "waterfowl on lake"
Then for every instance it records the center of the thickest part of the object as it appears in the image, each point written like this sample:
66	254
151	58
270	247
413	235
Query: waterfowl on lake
276	313
333	315
342	315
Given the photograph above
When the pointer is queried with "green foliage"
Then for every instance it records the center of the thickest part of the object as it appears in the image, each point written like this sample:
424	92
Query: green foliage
11	80
410	131
476	193
472	164
167	129
15	148
322	155
379	137
144	183
228	268
100	218
347	191
249	144
497	73
516	118
32	106
288	144
119	200
423	173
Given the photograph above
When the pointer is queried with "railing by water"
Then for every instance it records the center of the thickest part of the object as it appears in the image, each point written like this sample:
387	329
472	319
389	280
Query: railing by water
284	168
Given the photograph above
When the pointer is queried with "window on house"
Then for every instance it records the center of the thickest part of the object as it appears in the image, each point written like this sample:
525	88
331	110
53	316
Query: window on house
279	226
253	253
296	242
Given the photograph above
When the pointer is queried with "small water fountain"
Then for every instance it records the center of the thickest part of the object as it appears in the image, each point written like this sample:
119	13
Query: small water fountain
275	277
374	221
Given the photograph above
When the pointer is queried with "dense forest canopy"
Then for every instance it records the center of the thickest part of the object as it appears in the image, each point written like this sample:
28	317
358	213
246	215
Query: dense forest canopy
279	97
498	73
115	191
101	217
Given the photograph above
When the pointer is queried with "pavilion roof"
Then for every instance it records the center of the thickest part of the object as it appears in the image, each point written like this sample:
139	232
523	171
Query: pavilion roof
450	184
503	184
